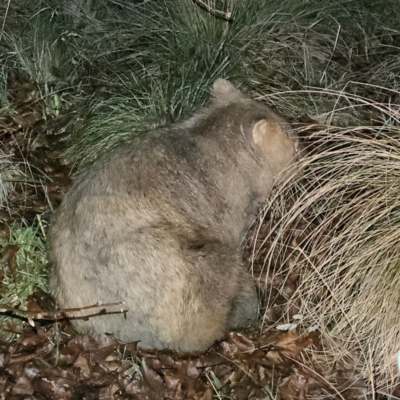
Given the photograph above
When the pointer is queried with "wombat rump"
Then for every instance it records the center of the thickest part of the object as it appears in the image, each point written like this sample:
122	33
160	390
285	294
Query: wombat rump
158	224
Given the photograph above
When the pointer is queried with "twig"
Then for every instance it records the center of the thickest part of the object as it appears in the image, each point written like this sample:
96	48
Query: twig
227	16
59	314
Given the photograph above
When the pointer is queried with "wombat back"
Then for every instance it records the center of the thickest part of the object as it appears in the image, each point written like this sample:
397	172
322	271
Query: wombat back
158	224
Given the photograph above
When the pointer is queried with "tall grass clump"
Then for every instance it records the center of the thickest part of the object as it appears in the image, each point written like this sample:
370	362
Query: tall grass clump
37	49
157	60
349	263
41	48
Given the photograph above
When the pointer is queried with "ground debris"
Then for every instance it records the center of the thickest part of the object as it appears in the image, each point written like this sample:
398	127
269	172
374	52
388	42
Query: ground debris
51	361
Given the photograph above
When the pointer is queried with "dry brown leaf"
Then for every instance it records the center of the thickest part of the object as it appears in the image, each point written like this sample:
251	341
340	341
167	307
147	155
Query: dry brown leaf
284	347
8	256
236	343
294	387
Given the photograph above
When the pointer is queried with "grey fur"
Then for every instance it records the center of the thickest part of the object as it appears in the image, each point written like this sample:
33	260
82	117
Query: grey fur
158	224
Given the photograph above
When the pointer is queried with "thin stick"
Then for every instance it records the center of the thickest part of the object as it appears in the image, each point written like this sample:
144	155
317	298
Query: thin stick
55	315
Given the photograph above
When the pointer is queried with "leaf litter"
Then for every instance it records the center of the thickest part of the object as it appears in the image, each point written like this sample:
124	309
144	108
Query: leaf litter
50	361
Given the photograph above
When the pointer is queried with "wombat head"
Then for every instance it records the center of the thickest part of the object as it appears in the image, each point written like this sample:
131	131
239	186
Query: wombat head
271	135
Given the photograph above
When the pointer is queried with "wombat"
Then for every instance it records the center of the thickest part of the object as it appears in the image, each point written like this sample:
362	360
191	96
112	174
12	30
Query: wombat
158	224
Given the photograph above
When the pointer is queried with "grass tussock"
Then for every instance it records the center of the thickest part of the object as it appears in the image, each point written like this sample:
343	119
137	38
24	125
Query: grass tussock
349	264
157	60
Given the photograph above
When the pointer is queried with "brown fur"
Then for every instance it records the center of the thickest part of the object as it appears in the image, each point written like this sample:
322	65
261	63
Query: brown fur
158	224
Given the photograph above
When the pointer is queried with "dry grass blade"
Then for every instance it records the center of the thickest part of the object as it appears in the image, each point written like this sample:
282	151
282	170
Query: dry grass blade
217	13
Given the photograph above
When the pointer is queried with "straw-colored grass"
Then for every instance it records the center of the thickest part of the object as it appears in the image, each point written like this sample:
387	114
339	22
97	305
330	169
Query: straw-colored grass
349	264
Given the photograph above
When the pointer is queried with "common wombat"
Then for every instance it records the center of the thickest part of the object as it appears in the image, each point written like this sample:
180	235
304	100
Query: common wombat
158	223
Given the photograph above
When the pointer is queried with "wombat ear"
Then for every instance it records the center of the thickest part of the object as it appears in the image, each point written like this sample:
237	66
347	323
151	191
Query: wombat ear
223	91
270	137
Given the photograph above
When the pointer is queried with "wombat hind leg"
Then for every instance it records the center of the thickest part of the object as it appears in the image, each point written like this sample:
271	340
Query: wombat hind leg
244	308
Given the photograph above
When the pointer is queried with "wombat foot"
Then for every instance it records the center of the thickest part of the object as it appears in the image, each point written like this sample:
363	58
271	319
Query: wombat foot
244	309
